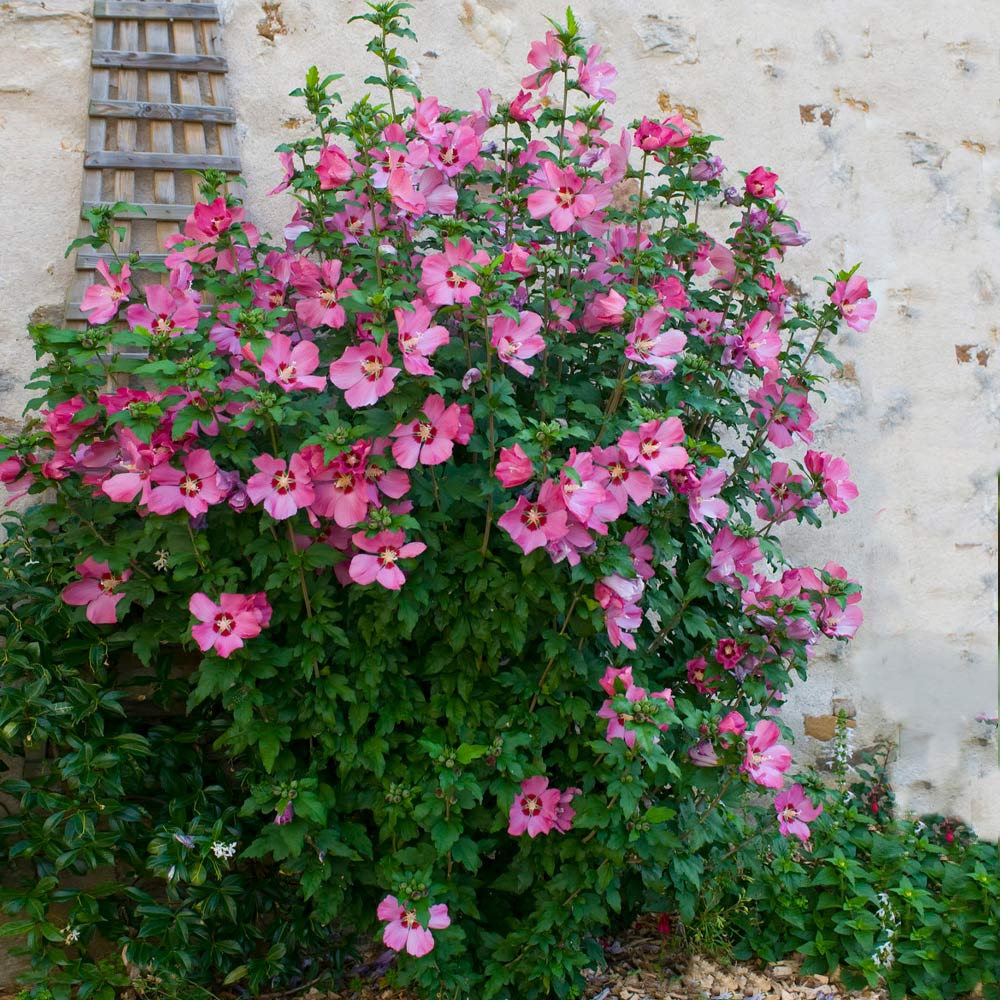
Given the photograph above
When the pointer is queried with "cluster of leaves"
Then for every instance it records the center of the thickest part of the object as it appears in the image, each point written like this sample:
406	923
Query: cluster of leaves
893	901
359	740
120	802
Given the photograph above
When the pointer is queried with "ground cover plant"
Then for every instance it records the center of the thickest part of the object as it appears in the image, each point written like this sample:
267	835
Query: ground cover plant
911	902
415	574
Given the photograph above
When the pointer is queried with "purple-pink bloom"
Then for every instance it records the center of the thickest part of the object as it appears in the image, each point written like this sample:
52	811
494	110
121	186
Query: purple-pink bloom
365	374
376	563
439	277
97	591
418	340
855	302
334	168
283	489
565	198
102	301
546	57
672	132
532	524
514	467
291	367
795	811
195	489
830	474
404	931
517	341
225	625
704	501
650	344
760	183
428	441
766	760
535	808
167	311
593	77
652	445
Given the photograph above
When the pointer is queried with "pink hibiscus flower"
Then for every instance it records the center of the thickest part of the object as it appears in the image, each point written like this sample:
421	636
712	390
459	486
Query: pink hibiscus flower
760	183
855	302
440	280
626	481
546	57
404	931
291	367
515	342
418	340
376	563
650	344
795	812
430	441
283	489
334	168
652	445
514	467
617	723
97	590
565	199
672	132
364	373
195	489
766	760
132	474
534	523
209	221
322	290
830	476
704	501
593	77
535	809
225	625
102	301
167	311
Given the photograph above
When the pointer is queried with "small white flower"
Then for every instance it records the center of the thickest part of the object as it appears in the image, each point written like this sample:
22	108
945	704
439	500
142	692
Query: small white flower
221	850
162	559
70	935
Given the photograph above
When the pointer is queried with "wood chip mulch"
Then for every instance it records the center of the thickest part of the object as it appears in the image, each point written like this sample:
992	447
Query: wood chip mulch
645	966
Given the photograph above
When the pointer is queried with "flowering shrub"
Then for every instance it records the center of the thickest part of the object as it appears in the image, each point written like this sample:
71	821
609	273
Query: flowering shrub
451	518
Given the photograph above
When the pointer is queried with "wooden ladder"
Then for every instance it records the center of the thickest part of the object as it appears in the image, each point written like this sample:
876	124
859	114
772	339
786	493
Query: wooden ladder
157	108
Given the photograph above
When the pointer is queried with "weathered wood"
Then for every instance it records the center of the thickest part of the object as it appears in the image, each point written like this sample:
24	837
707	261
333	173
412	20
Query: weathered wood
162	111
187	63
102	159
189	91
161	134
156	11
159	212
127	130
86	260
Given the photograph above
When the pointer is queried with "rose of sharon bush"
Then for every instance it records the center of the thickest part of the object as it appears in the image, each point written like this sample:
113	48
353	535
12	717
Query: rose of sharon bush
462	491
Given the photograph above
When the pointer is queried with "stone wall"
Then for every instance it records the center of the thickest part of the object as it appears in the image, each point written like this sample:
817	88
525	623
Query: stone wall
882	120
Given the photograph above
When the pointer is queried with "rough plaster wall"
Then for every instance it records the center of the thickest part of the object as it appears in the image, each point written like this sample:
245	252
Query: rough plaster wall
882	120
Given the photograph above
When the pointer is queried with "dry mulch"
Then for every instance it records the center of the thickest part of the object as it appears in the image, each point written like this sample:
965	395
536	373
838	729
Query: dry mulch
643	966
646	966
